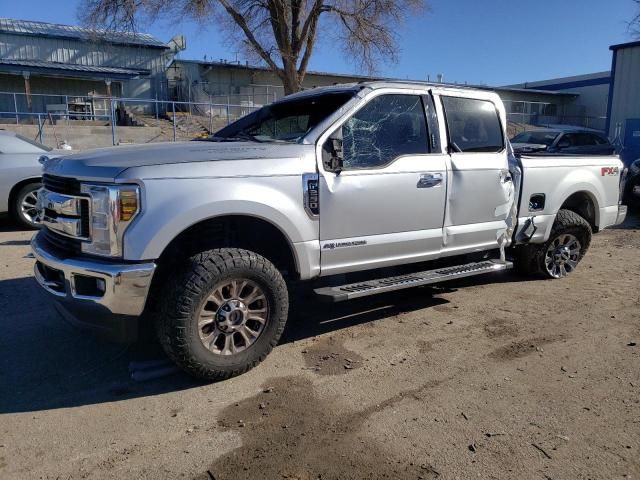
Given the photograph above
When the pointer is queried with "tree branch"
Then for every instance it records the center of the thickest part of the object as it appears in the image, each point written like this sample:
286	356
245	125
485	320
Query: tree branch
281	33
634	24
313	16
239	19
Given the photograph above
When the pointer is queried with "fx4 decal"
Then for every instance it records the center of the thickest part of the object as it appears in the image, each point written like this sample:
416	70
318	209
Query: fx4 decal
609	171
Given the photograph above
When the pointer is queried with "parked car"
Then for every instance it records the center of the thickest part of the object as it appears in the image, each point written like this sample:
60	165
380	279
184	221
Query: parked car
569	141
205	238
632	190
20	176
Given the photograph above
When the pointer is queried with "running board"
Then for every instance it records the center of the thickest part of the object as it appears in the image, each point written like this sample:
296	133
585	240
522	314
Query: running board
428	277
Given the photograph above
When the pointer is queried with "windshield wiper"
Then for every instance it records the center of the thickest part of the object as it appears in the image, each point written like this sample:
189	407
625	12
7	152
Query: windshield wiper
235	138
244	135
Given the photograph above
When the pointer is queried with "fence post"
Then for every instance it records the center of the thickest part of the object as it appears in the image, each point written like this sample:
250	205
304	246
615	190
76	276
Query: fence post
210	116
39	129
113	122
173	109
15	106
66	104
156	107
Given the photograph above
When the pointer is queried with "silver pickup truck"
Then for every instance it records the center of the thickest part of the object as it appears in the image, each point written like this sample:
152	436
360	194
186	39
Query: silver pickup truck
406	183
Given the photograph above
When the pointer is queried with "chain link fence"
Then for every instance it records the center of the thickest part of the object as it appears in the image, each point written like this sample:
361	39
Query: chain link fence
523	115
97	121
94	121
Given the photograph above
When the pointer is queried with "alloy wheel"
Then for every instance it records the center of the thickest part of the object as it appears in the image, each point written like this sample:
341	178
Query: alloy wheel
562	255
233	316
29	207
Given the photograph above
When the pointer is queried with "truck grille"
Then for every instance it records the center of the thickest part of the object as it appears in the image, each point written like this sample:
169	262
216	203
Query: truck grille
65	213
69	186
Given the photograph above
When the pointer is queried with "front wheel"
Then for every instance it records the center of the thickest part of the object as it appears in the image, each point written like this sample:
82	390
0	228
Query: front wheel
559	256
223	313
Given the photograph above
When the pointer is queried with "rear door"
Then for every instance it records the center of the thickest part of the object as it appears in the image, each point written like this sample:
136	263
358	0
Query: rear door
480	187
386	206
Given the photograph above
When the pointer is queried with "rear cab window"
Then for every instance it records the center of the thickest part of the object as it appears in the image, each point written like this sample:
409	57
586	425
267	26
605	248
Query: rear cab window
473	125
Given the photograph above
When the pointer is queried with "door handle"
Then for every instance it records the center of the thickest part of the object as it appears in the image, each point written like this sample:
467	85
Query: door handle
428	180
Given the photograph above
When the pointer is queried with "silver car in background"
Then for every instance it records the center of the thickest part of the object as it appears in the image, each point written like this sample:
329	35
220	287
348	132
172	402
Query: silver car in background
20	175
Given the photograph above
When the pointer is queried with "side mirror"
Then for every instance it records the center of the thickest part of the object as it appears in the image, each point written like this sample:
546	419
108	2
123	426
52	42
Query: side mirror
332	153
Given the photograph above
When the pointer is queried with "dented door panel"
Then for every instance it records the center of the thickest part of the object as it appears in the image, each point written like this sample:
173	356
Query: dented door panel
480	188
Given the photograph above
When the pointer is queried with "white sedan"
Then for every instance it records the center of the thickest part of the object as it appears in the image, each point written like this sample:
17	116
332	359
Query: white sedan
20	175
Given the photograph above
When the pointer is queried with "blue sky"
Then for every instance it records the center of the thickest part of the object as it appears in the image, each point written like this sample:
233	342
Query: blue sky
494	42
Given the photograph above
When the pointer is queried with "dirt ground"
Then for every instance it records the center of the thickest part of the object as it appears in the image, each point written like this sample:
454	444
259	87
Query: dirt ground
495	377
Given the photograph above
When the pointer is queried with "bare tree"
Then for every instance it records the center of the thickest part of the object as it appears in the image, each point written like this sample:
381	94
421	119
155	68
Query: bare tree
634	24
280	33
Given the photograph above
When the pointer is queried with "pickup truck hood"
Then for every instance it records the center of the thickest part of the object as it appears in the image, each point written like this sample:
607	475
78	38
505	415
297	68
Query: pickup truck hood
108	163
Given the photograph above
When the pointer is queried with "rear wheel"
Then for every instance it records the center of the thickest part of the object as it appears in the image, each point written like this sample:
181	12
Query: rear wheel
223	313
559	256
24	208
562	256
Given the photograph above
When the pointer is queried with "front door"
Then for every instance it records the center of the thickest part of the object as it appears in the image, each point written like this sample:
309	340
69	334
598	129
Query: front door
481	192
386	205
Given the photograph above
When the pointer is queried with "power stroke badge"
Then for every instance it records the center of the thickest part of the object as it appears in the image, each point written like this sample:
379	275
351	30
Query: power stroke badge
334	245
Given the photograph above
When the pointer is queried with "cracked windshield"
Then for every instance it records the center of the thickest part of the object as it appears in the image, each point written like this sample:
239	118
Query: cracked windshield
286	121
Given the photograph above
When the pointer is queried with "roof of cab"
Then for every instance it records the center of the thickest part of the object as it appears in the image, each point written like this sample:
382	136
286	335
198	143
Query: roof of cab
375	84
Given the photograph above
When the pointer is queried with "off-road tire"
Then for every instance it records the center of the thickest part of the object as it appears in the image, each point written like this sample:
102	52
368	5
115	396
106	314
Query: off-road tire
529	259
177	325
16	203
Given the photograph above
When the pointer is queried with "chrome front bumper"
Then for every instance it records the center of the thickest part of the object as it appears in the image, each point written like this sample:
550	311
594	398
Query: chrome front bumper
94	293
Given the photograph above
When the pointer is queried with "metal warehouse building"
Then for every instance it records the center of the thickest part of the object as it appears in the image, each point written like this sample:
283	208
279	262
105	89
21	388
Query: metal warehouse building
251	86
44	58
202	81
623	118
589	106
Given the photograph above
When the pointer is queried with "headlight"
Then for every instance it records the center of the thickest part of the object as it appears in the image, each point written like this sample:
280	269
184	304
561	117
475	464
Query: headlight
113	207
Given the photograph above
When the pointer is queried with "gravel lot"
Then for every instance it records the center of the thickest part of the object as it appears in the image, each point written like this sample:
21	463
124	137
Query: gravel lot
497	377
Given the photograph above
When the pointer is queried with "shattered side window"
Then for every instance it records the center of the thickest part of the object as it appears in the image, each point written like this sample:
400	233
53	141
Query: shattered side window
385	128
474	125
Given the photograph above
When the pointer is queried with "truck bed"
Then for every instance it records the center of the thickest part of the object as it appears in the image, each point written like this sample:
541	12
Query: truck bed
555	181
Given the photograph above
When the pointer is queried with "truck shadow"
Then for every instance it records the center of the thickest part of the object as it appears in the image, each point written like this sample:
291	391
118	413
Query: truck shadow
8	225
310	317
47	364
